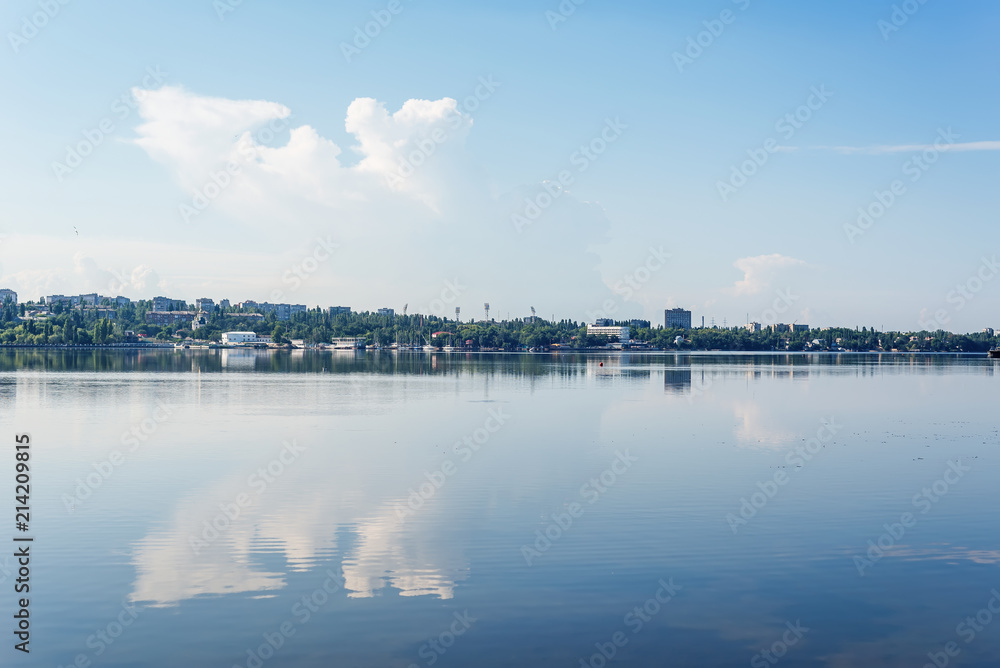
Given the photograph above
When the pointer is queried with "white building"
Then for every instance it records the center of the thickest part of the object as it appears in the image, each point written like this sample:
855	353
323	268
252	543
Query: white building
620	333
348	343
244	337
7	292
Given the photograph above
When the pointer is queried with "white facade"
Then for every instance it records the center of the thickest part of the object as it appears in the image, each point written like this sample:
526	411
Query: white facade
244	337
621	333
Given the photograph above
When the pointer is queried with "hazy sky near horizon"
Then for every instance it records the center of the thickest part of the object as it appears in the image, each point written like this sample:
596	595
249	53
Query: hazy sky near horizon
822	163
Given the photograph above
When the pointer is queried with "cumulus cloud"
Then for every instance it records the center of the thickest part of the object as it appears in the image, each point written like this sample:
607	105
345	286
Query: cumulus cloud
760	271
405	198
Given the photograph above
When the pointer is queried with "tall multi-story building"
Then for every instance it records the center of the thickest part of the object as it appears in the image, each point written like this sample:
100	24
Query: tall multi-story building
91	299
604	322
754	327
337	310
204	304
167	304
7	293
798	328
162	318
280	311
386	311
677	318
249	317
223	304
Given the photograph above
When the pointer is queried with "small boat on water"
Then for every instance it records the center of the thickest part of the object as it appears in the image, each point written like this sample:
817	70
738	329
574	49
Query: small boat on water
995	354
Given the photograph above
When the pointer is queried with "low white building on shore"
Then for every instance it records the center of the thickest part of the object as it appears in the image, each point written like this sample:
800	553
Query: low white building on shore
244	337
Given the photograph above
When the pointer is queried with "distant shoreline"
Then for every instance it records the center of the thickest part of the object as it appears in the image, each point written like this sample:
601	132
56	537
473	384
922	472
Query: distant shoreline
604	351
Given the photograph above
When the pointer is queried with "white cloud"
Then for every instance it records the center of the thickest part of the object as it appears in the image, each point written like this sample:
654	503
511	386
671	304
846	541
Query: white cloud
760	271
412	211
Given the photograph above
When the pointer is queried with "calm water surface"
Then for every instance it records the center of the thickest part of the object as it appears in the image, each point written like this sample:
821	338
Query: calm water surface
201	508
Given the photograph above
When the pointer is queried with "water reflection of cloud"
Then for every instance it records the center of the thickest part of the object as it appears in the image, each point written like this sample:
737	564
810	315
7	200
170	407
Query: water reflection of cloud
943	552
754	428
303	528
168	570
389	553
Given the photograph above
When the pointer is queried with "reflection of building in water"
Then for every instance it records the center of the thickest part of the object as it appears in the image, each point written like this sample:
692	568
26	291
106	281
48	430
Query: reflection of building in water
619	366
238	359
677	380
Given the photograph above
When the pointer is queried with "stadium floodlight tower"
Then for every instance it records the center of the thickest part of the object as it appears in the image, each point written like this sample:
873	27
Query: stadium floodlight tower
458	311
486	307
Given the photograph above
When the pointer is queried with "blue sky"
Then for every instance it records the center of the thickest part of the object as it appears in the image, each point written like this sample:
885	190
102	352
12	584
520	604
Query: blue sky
653	191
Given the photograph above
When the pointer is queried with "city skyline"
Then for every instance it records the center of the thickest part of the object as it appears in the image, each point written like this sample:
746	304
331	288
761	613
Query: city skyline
676	317
691	177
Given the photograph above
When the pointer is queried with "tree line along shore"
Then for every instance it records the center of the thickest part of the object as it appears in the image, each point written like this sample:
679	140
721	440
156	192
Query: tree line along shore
127	325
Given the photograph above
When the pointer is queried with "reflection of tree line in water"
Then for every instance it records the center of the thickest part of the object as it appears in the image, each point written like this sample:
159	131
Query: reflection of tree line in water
676	367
